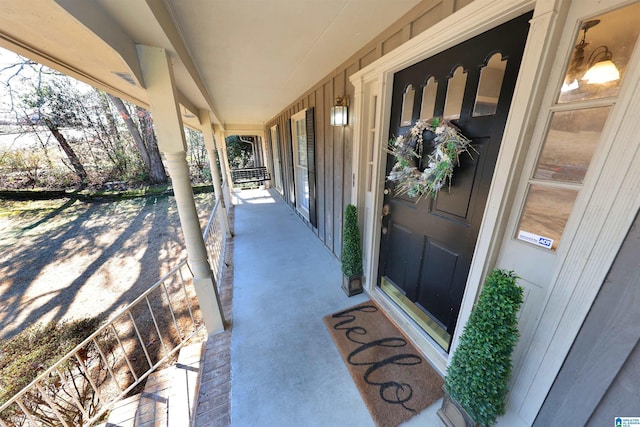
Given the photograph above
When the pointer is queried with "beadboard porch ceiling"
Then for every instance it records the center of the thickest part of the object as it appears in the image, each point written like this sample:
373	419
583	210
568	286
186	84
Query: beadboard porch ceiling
245	60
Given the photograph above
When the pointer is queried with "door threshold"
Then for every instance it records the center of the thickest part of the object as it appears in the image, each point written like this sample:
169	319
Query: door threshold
433	329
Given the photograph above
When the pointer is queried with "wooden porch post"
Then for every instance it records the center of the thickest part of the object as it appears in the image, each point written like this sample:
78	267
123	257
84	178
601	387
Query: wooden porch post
209	142
162	95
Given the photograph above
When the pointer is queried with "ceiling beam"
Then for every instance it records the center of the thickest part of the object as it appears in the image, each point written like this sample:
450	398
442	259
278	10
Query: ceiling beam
98	21
166	19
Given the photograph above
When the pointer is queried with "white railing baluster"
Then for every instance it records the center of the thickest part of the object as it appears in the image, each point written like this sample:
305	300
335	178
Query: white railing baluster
186	299
83	367
153	317
26	411
73	396
106	363
124	352
52	405
140	340
175	323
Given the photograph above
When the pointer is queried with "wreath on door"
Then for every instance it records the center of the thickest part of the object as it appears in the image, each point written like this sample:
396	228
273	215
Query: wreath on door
448	144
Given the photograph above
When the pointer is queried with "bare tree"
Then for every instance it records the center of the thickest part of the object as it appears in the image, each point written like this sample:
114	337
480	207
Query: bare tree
144	138
51	105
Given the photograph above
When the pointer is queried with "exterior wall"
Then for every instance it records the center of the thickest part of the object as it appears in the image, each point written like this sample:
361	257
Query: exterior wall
334	145
600	378
550	321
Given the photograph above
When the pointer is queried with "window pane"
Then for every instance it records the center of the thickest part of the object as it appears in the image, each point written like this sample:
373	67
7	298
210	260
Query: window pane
571	141
303	181
429	92
545	214
489	86
301	134
455	93
607	40
406	118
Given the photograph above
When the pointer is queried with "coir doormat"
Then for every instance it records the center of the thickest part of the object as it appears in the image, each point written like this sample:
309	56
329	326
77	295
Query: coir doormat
394	380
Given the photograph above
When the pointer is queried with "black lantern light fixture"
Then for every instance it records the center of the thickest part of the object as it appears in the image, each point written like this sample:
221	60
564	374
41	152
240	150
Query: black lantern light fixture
601	67
339	112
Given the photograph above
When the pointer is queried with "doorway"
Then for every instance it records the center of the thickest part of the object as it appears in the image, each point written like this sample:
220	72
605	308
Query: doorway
427	245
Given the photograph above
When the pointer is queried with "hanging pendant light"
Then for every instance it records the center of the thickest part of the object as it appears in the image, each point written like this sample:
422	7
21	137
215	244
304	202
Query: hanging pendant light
601	67
575	68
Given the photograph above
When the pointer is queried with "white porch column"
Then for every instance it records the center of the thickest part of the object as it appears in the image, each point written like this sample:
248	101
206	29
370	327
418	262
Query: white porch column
265	152
161	92
209	142
219	139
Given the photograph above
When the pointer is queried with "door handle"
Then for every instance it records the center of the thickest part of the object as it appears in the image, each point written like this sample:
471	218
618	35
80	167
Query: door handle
386	210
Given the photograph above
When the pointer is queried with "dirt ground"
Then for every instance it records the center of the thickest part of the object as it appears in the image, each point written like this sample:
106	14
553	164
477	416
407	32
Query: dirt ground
64	259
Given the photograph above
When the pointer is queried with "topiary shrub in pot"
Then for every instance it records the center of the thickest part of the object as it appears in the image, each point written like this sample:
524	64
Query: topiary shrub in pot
480	368
351	253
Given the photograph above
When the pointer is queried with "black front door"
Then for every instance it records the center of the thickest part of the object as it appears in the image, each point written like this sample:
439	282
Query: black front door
427	246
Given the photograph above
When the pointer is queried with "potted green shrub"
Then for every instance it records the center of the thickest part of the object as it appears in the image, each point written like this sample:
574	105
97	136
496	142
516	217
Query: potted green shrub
351	253
477	378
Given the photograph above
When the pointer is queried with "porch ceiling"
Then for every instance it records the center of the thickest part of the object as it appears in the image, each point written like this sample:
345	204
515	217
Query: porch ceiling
245	60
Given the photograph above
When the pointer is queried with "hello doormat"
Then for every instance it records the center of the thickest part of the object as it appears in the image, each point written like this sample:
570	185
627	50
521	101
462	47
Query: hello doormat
395	381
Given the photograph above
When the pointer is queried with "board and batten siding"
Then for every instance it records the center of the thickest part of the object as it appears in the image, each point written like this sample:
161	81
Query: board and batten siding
600	378
334	145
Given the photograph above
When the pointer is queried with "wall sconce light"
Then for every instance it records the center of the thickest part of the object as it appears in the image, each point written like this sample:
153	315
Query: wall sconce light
339	112
601	68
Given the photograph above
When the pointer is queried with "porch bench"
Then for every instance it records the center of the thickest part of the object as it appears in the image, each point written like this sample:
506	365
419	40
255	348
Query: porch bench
246	175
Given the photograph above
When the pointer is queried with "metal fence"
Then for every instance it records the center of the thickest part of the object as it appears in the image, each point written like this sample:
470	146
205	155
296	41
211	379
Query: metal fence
113	362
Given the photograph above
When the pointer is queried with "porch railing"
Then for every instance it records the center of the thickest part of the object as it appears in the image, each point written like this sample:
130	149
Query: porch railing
215	239
113	361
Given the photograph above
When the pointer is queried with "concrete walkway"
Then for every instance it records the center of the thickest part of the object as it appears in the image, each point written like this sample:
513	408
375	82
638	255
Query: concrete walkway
285	368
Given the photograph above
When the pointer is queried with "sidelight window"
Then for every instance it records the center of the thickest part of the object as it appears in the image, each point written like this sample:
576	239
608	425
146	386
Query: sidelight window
576	122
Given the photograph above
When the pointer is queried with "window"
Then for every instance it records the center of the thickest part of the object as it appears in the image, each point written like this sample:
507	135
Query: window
275	152
576	122
303	145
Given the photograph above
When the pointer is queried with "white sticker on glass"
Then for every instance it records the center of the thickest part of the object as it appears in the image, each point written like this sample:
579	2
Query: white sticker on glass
536	239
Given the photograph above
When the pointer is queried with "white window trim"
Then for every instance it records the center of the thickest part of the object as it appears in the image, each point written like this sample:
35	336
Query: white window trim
300	115
277	161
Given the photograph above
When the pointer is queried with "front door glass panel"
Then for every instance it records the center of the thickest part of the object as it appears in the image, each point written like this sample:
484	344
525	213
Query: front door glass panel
455	94
489	87
407	105
429	92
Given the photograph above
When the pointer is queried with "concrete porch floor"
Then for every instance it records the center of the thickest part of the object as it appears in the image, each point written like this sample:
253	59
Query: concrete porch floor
285	368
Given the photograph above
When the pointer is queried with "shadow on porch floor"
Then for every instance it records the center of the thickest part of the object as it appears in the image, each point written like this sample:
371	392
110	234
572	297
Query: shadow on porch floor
285	368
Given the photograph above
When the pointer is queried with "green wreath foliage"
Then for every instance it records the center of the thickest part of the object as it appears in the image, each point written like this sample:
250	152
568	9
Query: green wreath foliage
449	143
